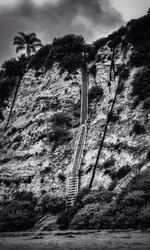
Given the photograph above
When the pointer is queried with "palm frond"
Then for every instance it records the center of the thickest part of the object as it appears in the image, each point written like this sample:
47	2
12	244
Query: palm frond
23	34
37	45
33	49
16	42
35	40
16	38
28	41
19	48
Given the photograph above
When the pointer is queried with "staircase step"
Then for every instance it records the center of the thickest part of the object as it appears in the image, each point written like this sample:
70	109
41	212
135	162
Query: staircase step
71	198
73	180
72	192
72	189
73	184
79	145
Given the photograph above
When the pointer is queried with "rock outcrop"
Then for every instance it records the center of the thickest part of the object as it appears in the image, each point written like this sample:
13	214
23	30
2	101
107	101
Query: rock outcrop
29	160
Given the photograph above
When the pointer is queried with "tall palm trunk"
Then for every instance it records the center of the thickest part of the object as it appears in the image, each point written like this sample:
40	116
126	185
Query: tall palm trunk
16	92
13	101
112	66
28	50
104	134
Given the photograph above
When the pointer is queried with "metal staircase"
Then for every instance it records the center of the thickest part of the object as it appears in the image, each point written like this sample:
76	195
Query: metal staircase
73	176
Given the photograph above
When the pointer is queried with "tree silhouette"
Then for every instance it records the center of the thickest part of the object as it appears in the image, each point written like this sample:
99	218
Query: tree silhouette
123	76
28	42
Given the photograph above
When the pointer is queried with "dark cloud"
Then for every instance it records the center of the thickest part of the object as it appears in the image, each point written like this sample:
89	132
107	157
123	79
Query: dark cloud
91	18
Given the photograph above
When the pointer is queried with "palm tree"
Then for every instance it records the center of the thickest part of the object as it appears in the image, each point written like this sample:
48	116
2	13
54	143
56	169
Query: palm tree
124	73
28	42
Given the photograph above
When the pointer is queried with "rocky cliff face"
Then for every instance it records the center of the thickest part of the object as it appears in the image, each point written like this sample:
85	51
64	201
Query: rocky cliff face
29	160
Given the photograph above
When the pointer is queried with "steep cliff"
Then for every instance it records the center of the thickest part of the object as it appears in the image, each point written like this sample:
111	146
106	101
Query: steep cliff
36	150
27	159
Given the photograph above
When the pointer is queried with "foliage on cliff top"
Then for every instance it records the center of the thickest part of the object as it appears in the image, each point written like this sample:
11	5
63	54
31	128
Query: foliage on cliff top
141	84
66	51
10	70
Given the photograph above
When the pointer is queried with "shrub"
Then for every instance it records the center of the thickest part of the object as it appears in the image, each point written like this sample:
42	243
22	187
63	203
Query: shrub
7	86
76	109
112	185
46	170
55	103
113	117
25	196
138	33
14	67
146	104
50	203
136	59
93	70
121	173
59	135
135	198
120	88
65	217
67	52
109	163
39	58
96	93
141	84
10	70
82	219
144	216
138	129
19	213
89	168
136	102
148	155
61	177
100	43
124	74
68	78
28	179
101	197
80	196
71	62
126	217
141	182
61	119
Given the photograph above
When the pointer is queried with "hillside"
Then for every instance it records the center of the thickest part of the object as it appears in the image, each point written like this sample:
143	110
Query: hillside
37	148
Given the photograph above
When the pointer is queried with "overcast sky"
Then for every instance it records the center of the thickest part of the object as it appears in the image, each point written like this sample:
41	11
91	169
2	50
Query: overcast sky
54	18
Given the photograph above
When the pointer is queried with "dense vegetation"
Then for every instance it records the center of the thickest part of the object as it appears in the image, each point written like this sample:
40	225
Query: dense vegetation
10	70
19	212
66	51
99	209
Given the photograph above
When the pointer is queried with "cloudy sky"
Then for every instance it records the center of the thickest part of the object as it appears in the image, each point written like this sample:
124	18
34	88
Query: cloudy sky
54	18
